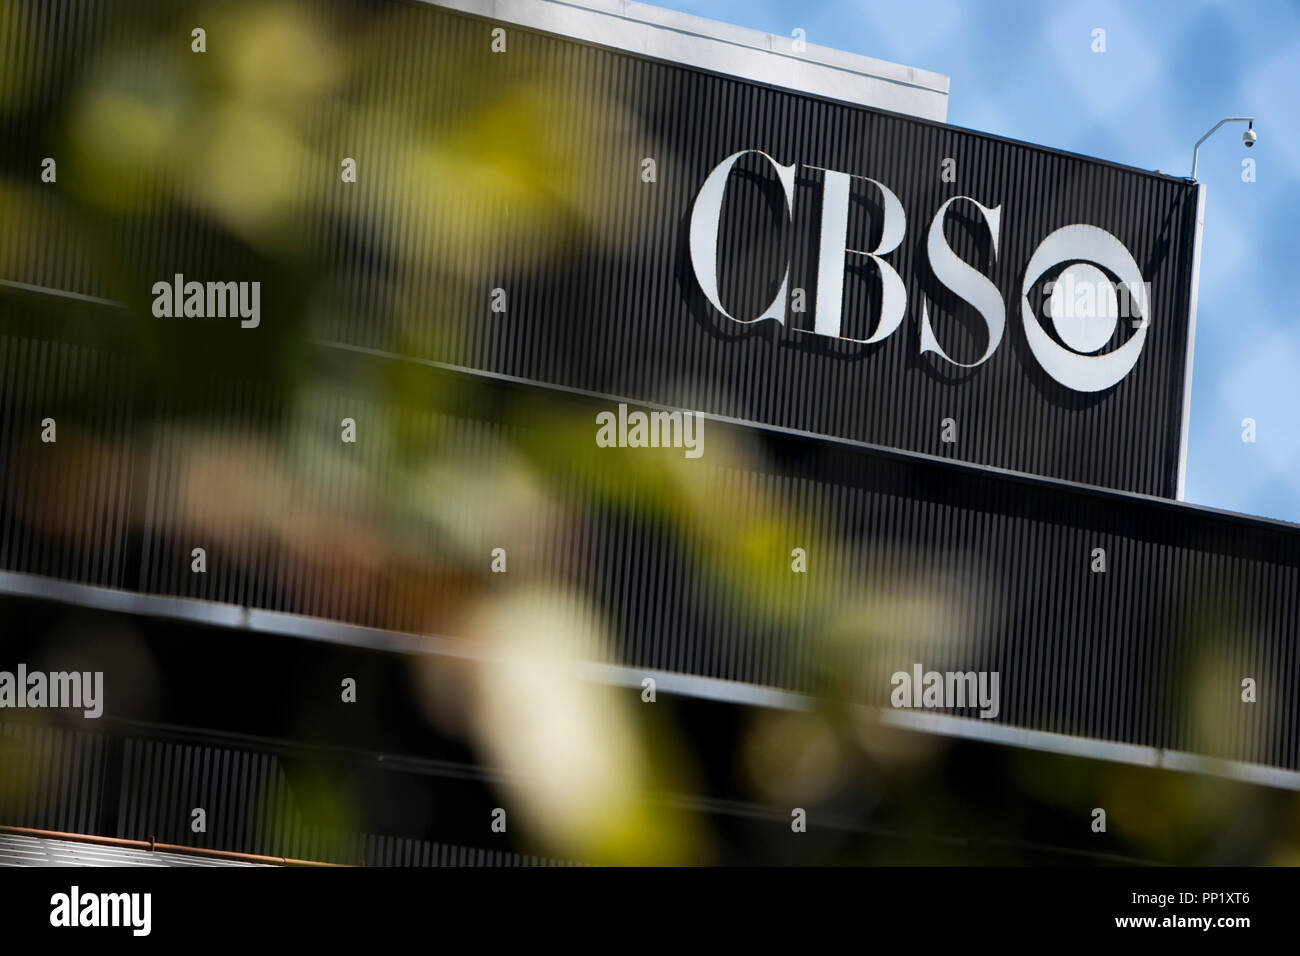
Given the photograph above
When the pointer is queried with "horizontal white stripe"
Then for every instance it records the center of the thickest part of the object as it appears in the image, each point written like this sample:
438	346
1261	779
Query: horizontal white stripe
722	48
687	685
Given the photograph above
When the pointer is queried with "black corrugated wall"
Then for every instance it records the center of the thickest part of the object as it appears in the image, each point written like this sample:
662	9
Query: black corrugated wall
911	560
595	266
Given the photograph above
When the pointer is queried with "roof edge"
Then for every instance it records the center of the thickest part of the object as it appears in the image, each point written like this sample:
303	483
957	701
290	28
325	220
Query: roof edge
700	43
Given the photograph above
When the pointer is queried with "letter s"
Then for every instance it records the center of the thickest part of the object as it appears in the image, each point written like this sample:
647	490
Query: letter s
966	281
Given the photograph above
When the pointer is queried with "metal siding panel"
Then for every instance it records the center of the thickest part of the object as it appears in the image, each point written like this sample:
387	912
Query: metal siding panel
629	321
62	769
47	777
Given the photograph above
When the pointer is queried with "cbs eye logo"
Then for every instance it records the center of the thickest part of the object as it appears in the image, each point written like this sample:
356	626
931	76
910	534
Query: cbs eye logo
1084	307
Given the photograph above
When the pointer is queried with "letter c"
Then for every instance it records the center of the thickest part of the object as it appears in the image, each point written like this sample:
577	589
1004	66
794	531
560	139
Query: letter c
706	217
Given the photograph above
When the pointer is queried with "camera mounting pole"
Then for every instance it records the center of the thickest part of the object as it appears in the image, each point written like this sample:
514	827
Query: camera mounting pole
1230	119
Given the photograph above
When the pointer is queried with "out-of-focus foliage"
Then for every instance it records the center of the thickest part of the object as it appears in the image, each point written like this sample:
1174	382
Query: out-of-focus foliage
244	144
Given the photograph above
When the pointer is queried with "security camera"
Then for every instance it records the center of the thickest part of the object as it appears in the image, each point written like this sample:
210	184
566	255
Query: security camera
1249	137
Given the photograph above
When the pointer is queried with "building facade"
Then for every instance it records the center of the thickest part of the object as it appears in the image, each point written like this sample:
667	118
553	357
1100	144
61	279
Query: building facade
941	378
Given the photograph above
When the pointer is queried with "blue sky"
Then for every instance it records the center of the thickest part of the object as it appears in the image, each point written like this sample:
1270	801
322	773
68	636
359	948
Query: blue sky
1171	70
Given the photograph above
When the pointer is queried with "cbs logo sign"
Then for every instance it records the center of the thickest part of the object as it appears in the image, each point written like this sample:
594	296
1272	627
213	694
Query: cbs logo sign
1083	303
